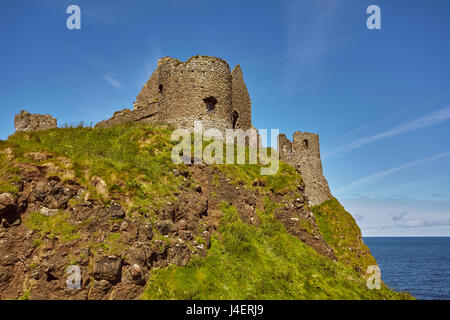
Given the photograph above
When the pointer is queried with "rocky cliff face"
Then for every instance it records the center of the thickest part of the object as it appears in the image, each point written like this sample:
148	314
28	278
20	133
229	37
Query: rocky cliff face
52	223
121	211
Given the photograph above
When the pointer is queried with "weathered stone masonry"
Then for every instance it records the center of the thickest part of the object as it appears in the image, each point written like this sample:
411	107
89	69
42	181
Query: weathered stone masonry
242	105
303	153
204	88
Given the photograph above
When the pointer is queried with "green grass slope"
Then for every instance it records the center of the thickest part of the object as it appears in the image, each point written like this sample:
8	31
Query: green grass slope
341	232
265	262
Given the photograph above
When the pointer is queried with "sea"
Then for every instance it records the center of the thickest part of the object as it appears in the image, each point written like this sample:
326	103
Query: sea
418	265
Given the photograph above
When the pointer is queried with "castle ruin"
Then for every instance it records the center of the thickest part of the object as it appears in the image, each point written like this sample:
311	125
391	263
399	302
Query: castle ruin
179	93
204	88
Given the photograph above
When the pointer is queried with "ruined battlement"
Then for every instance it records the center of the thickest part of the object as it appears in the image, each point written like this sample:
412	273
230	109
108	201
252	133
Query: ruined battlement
25	121
242	105
303	153
146	115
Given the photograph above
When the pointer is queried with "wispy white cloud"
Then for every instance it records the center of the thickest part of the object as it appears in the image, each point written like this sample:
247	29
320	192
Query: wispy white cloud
420	223
398	216
378	212
379	175
415	124
113	81
412	185
423	105
307	40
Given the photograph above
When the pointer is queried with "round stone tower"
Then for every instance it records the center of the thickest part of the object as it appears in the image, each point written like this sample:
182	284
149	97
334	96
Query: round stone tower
198	89
201	89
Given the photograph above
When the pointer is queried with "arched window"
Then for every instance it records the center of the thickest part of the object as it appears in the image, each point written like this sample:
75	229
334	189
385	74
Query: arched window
210	103
160	88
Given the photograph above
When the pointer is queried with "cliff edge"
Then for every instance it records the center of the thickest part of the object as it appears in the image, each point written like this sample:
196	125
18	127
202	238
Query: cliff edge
110	204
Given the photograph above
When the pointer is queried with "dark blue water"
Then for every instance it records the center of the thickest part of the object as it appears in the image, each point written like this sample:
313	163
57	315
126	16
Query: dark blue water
418	265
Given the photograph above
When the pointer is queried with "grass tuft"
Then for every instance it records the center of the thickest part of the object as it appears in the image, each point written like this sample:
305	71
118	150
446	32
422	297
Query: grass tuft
55	226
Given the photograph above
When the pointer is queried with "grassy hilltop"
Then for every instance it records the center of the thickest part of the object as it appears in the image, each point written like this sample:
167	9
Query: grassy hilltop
83	196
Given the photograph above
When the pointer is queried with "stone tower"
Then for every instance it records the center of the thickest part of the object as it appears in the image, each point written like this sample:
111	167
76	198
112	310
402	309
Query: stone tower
201	88
303	153
198	89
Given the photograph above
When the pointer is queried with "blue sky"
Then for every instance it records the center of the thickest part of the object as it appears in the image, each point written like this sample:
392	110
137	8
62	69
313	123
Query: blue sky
379	99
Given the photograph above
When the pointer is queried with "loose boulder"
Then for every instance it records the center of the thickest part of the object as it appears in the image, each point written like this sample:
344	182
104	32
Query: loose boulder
116	211
8	208
108	268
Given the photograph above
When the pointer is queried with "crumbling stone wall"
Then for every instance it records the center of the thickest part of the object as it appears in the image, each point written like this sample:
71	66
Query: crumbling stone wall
303	153
25	121
148	114
152	89
202	88
242	106
149	92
